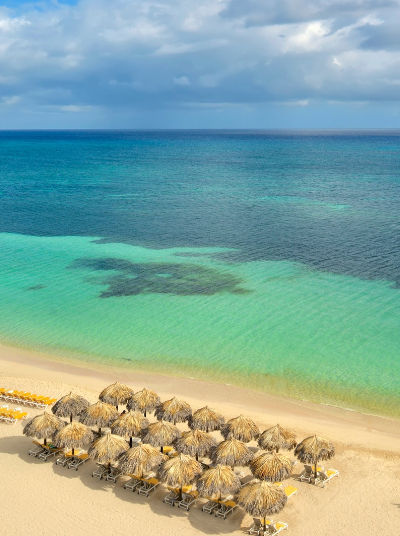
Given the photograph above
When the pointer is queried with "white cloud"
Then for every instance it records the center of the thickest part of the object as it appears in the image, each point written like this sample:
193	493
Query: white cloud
10	100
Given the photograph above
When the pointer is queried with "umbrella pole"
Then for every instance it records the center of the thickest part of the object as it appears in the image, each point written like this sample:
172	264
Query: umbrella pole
145	413
70	418
315	467
264	525
130	442
162	449
45	441
73	451
117	407
100	431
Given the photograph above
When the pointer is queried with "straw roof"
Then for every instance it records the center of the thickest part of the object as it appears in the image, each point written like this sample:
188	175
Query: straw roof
271	466
277	438
195	443
241	428
173	410
206	419
70	405
262	499
314	448
44	425
180	471
99	414
74	435
161	433
232	452
107	448
140	459
144	400
116	393
217	481
130	424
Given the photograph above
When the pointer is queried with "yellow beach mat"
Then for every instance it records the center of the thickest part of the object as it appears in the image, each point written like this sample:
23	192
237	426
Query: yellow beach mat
290	490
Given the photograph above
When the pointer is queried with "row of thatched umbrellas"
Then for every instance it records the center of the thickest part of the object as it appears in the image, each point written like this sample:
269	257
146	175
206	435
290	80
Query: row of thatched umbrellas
260	498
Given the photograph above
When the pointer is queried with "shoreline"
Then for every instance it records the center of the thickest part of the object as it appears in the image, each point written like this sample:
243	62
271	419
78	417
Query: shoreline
348	427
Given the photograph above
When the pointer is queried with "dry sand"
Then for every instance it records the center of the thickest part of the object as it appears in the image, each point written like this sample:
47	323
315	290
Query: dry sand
42	498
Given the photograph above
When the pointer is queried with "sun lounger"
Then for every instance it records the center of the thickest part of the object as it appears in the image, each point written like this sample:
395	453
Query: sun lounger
77	461
100	472
172	498
113	474
188	500
40	448
64	459
148	486
210	506
278	527
290	491
48	453
308	474
225	508
256	527
132	484
326	476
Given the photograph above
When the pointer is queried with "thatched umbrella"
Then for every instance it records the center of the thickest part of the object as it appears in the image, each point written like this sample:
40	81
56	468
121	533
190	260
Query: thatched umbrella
241	428
262	499
314	448
99	414
130	424
217	481
107	448
232	452
144	401
180	471
115	394
195	443
43	426
74	435
140	459
70	406
276	438
271	466
173	410
160	434
206	419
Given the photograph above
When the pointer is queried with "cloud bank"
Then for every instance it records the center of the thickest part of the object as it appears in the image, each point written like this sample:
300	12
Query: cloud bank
182	62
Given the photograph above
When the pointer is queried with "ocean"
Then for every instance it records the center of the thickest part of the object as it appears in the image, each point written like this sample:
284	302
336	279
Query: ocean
269	260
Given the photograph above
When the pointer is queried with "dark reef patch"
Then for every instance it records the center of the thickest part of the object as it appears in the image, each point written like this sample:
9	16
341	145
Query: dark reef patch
36	287
132	278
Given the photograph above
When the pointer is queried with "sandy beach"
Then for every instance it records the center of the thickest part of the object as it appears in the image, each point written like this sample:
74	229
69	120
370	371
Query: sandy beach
42	498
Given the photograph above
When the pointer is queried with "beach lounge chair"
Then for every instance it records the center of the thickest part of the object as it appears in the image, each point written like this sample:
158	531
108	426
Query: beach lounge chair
245	480
172	498
113	474
77	461
40	448
326	476
49	452
210	506
64	459
188	500
225	508
256	527
278	527
148	486
132	484
290	491
99	472
308	474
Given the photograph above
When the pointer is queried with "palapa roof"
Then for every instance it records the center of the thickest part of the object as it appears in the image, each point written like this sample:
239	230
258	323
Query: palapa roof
232	452
241	428
99	414
44	425
180	471
74	435
271	466
116	393
173	410
144	400
107	448
262	499
206	419
70	404
277	438
314	448
130	424
161	433
217	481
140	459
195	443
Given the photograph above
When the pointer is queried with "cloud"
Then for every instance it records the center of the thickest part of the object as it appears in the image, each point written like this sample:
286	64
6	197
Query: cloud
138	57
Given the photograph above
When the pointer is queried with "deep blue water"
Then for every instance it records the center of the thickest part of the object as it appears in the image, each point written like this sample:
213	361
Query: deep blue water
329	200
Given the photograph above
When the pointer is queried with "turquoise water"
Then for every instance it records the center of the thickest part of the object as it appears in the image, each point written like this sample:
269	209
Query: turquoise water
262	261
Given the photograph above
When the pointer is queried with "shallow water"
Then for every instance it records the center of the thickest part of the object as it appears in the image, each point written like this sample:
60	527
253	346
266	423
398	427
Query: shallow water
266	260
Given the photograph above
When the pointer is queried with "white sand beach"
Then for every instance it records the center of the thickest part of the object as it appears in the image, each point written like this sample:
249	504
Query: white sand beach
42	498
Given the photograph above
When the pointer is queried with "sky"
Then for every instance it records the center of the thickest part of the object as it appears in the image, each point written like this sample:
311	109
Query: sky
199	64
